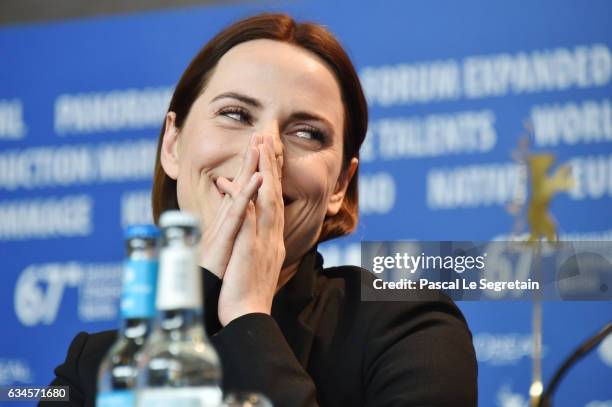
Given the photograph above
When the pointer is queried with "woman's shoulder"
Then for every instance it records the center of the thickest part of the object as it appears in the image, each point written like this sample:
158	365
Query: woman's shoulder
404	332
90	347
80	369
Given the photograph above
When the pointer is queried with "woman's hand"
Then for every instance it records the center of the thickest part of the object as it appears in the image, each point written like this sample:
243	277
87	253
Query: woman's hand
252	273
218	238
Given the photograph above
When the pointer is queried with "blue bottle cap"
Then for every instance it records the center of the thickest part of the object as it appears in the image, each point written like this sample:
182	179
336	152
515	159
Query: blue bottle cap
143	231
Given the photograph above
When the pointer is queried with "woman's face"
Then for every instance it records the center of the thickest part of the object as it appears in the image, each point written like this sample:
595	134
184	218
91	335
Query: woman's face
279	91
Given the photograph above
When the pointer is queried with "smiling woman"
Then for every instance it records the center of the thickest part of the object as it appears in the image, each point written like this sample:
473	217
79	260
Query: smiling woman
287	97
261	142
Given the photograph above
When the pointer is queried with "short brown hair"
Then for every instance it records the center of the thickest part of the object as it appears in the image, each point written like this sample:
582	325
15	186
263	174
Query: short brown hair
310	36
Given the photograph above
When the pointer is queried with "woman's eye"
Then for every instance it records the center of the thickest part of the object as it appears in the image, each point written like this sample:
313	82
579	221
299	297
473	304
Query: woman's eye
236	114
310	134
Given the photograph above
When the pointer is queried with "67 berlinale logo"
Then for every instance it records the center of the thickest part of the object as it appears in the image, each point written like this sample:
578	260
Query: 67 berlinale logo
40	288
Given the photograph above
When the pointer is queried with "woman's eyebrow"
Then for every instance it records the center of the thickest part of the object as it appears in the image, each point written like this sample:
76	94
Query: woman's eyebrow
239	96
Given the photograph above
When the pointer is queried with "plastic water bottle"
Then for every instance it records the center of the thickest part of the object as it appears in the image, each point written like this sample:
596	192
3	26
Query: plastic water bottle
118	371
179	366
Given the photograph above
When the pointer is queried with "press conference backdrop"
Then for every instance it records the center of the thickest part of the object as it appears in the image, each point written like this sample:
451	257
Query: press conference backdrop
451	87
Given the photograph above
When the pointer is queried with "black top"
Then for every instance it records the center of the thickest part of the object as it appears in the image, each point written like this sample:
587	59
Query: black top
323	346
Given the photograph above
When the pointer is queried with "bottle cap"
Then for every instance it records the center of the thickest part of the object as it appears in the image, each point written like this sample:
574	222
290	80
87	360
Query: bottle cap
176	218
143	231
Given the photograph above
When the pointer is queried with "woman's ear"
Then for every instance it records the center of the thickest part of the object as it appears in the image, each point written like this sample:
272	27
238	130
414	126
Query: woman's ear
336	199
169	149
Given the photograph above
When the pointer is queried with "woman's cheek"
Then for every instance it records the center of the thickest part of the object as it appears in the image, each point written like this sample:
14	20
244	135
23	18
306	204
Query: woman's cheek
315	186
183	191
191	194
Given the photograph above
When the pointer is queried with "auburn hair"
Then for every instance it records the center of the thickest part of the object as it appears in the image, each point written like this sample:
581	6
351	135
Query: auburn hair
279	27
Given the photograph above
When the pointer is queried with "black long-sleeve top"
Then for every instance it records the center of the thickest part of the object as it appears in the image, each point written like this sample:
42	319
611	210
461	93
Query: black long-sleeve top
323	346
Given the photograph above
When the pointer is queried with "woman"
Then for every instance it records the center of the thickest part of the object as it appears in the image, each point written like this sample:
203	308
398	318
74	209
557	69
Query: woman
261	141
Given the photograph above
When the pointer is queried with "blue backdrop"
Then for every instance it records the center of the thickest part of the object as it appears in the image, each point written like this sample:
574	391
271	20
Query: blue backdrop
452	86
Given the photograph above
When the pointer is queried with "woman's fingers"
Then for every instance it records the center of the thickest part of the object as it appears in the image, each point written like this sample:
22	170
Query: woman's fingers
248	167
245	236
270	199
240	195
258	247
249	164
276	161
227	187
219	239
276	167
234	191
240	199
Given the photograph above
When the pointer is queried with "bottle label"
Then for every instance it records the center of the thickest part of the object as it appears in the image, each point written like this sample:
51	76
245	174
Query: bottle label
121	398
139	285
180	397
180	281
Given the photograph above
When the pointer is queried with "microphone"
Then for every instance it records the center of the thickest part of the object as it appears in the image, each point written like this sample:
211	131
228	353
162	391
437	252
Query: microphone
583	349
